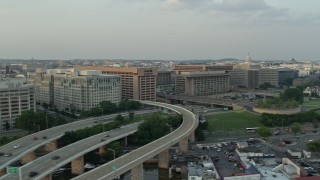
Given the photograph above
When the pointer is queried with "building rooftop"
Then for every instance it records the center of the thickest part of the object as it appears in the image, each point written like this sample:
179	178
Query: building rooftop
268	174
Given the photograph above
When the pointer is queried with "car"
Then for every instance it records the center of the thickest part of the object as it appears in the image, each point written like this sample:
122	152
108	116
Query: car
7	154
308	168
107	135
32	174
55	157
44	137
16	146
35	138
102	140
1	154
218	149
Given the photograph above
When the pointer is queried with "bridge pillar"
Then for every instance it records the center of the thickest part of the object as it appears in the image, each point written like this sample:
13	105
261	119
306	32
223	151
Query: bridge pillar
137	172
126	141
183	146
164	159
77	165
3	172
192	137
102	150
29	157
51	146
47	177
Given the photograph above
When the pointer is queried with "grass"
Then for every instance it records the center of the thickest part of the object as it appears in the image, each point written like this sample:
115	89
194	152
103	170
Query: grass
311	104
237	120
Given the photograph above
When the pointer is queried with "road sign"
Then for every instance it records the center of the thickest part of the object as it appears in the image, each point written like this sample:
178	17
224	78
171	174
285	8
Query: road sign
13	170
114	168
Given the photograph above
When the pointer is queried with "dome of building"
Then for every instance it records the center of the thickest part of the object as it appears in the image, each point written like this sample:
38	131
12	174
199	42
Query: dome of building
248	59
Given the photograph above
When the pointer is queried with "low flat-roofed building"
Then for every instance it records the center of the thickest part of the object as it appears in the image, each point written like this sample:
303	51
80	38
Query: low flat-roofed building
198	172
202	83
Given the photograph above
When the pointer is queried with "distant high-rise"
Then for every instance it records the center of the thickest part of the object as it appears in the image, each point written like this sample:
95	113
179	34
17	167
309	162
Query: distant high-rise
137	82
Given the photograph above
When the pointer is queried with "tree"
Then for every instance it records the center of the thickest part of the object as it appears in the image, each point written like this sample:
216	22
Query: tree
266	85
108	107
131	115
26	120
119	118
293	93
315	123
314	146
7	126
264	132
295	127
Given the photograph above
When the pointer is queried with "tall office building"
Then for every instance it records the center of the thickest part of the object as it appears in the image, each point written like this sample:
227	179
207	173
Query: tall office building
269	75
15	97
77	90
137	82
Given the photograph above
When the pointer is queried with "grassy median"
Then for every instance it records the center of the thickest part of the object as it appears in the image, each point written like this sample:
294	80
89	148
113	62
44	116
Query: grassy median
235	120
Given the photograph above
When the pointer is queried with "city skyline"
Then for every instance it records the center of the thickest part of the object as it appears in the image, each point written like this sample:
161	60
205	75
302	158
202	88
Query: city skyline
160	29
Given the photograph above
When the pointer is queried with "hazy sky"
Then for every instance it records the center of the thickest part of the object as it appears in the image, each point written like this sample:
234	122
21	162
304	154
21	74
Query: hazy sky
160	29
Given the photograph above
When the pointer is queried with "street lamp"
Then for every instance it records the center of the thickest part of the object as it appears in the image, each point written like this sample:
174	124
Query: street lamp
114	152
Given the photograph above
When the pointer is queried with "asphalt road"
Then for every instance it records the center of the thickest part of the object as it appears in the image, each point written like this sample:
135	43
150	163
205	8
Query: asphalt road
28	145
45	165
128	161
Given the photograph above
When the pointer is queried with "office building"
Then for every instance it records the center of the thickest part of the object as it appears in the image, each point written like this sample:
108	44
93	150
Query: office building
269	75
286	74
67	89
137	82
202	83
15	97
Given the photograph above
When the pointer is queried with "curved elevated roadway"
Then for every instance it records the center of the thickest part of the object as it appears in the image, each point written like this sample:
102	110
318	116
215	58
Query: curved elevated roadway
45	165
129	161
28	145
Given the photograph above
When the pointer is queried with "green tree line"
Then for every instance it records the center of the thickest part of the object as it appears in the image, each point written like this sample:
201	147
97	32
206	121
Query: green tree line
107	107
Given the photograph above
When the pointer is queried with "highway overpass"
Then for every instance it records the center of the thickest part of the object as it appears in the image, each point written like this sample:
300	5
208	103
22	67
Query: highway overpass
133	160
71	153
28	145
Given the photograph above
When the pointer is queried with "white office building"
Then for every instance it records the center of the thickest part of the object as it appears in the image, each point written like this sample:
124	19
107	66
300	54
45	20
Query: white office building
15	97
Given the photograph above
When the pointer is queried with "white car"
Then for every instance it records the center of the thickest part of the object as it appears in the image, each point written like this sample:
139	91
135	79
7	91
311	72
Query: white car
16	146
218	149
308	168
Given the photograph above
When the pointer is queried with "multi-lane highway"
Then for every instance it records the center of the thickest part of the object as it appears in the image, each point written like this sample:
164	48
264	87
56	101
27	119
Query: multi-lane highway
128	161
46	165
27	144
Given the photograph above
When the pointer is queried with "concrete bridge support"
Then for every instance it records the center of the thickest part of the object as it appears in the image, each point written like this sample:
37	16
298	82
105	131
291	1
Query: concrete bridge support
164	159
183	146
3	172
192	137
102	150
48	177
77	166
51	146
137	172
29	157
126	141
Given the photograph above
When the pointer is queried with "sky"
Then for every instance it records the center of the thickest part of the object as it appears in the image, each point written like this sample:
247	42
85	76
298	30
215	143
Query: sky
160	29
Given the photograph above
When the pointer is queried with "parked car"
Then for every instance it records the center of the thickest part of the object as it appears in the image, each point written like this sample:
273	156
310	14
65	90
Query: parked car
35	138
308	168
16	146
